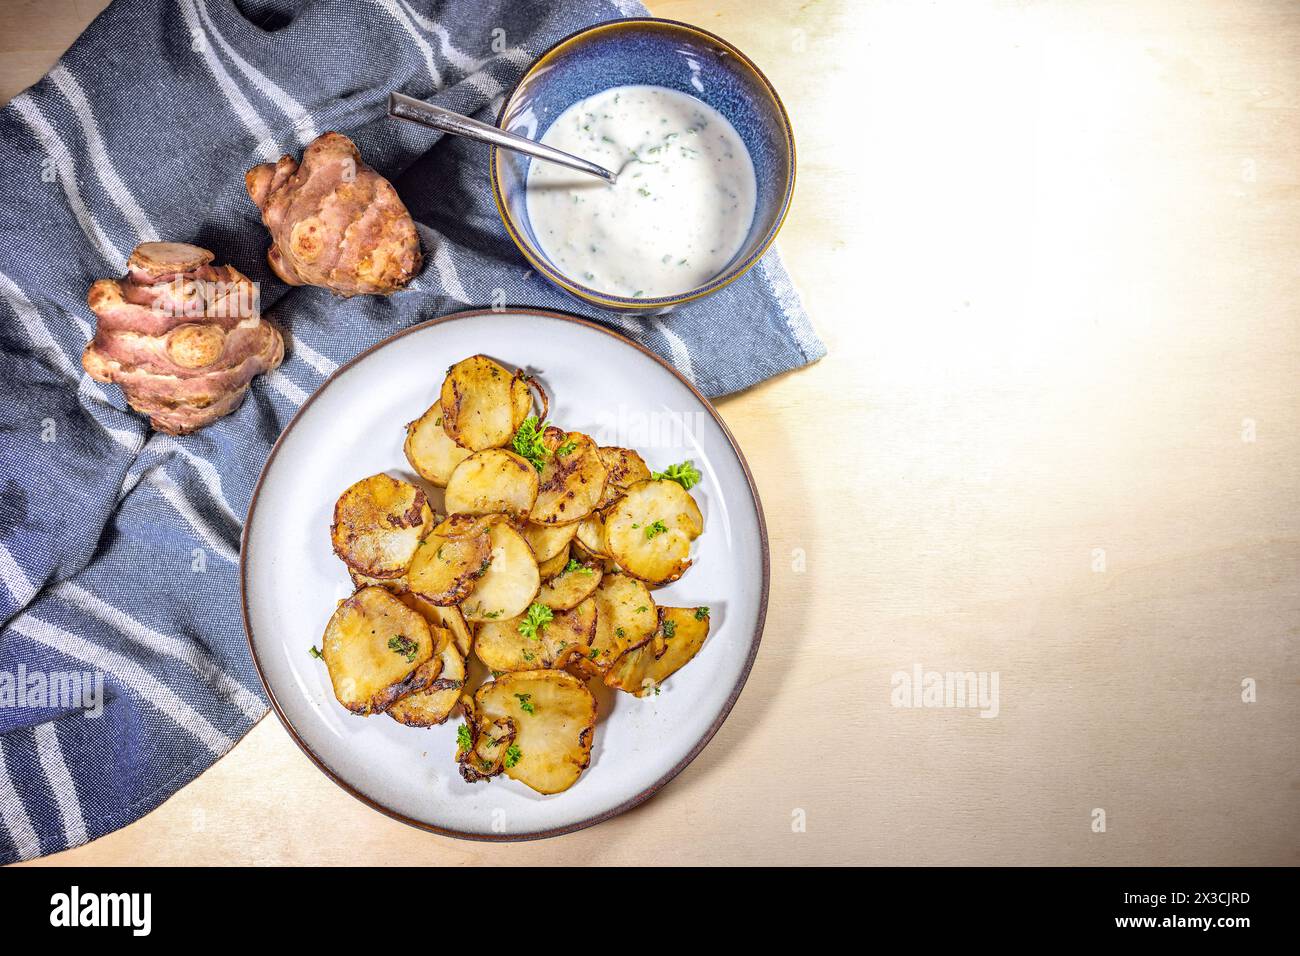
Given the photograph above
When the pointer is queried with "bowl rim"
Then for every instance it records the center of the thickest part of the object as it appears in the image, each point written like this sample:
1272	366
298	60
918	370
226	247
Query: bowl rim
628	303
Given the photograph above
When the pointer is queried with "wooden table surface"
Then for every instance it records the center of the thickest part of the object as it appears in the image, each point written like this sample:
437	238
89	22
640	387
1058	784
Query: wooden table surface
1054	251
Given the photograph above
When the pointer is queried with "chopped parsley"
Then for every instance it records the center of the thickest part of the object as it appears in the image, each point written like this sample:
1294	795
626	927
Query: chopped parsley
403	646
513	755
537	617
685	474
464	740
528	442
314	651
592	655
566	448
526	703
701	613
669	628
619	632
656	528
575	565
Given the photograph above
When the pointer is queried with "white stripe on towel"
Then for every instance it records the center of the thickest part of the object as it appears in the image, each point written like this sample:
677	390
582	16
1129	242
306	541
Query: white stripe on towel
128	673
404	21
36	329
291	108
326	366
267	149
55	766
15	578
159	478
113	184
443	264
14	815
188	652
63	164
207	471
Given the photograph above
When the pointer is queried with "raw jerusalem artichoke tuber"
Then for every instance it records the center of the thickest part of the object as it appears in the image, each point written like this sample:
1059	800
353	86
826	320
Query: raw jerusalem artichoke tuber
182	337
334	221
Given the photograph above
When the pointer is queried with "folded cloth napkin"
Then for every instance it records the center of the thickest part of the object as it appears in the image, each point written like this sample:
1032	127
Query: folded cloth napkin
124	671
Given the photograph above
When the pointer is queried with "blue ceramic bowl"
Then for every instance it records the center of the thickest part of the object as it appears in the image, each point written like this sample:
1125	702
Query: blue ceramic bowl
646	51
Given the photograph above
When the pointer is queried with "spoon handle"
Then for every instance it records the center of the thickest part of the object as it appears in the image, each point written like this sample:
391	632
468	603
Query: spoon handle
449	121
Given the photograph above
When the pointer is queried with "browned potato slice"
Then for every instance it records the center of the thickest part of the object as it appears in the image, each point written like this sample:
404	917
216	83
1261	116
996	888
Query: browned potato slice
396	585
549	540
554	719
434	705
490	741
554	566
467	526
431	453
445	570
625	617
650	530
448	617
503	647
573	585
494	481
521	397
377	651
680	636
378	523
591	535
480	401
572	481
624	468
510	582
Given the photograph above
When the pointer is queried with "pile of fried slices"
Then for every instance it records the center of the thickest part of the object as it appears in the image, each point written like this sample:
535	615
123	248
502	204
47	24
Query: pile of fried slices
543	567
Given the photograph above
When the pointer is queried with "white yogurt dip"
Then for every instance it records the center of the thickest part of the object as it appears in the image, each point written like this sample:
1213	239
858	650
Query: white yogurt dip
682	206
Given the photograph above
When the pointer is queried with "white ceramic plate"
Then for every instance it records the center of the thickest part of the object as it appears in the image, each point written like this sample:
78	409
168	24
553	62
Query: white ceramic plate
353	426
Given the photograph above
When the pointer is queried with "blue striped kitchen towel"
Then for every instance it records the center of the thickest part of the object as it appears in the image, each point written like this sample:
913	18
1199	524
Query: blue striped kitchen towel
124	671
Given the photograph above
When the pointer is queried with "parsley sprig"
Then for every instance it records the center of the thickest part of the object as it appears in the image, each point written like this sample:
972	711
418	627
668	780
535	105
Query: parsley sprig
536	618
684	473
528	442
403	646
576	565
513	755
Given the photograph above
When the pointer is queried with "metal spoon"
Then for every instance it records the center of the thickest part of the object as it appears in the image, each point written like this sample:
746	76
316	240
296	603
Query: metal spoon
449	121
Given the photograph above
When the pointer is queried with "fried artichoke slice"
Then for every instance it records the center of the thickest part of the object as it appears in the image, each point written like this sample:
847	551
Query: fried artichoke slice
492	481
378	524
509	581
625	618
377	650
431	453
502	646
573	478
575	582
554	719
680	635
649	531
445	570
483	404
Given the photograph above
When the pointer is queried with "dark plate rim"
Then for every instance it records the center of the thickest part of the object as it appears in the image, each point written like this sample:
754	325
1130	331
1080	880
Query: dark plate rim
632	801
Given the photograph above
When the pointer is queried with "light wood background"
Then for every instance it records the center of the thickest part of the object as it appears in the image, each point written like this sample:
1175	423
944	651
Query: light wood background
1055	251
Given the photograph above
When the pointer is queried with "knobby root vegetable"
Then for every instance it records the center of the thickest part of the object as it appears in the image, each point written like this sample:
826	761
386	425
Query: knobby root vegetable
334	221
182	337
